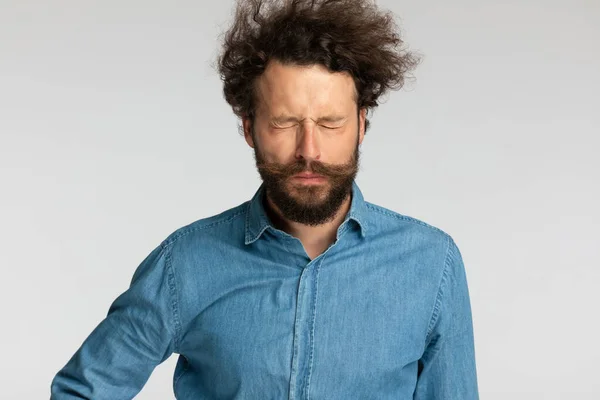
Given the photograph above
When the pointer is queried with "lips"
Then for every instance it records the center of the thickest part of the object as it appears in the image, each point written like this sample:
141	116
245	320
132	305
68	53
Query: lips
308	176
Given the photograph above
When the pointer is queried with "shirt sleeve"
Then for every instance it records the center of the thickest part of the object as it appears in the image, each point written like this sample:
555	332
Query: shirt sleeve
139	332
447	367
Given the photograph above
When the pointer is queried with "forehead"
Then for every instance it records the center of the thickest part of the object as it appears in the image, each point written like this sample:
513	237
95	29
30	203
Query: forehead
297	89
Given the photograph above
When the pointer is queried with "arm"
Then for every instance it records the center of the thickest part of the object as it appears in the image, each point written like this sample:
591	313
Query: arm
139	332
447	367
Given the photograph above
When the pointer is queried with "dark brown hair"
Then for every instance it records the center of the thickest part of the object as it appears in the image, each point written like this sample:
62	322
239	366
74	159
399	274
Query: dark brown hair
343	35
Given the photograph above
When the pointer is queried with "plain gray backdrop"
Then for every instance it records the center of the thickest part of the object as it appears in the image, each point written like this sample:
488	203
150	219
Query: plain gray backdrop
114	133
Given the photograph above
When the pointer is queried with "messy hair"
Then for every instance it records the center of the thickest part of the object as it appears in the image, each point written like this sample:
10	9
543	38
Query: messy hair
343	35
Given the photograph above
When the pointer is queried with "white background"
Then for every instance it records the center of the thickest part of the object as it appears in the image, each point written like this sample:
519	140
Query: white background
114	133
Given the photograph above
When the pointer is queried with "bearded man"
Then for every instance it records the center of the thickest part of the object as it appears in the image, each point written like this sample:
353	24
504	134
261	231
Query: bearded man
307	290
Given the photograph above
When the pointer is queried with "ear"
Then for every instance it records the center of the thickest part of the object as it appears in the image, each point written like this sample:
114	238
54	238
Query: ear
362	118
247	123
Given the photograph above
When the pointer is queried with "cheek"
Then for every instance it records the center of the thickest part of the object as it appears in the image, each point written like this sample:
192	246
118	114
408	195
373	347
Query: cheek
339	149
275	149
271	153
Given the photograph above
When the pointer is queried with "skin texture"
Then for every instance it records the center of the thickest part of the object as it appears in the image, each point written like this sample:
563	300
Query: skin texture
307	120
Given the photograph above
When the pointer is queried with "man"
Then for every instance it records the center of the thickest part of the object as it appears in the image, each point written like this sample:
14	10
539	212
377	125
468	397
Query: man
307	290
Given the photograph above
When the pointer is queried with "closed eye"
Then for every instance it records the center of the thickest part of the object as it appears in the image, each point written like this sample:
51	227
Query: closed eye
284	126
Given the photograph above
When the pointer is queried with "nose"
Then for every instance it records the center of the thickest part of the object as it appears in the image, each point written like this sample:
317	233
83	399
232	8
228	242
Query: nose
308	142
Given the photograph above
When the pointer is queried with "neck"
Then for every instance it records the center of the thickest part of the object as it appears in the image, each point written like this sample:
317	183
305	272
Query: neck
323	234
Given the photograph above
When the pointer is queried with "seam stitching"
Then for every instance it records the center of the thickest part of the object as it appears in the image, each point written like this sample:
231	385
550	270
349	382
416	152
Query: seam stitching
402	217
176	236
173	292
440	293
312	329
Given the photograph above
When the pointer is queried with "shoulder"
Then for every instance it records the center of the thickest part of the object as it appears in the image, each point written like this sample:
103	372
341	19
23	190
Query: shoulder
385	218
407	232
408	235
221	225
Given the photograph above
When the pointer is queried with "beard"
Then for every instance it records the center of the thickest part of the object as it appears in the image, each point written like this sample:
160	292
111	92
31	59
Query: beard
308	204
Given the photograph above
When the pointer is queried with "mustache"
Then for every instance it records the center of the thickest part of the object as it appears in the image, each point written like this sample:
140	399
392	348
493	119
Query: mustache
316	167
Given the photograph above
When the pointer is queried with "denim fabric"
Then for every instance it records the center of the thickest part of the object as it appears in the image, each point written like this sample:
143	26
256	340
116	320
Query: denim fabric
383	313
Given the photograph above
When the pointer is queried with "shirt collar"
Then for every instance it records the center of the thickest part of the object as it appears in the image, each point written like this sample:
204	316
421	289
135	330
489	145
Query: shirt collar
257	220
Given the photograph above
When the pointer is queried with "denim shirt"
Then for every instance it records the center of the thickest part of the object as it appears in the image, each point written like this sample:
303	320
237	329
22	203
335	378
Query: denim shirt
383	313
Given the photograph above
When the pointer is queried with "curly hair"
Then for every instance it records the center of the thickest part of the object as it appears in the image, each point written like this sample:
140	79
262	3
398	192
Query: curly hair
343	35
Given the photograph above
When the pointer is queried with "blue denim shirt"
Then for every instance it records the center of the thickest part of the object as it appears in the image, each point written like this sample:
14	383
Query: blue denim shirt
383	313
